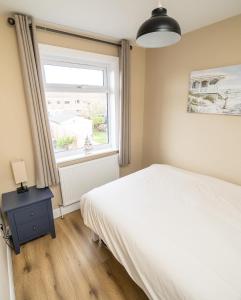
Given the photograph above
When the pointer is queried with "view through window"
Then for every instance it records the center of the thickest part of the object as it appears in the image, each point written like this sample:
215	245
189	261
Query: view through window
76	119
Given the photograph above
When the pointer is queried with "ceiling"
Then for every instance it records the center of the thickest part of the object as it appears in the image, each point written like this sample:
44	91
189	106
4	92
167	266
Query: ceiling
121	18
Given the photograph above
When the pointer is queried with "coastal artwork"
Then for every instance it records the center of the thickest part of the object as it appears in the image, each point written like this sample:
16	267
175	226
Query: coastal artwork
215	91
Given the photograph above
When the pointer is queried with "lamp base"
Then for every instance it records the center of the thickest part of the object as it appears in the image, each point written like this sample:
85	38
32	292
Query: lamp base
22	189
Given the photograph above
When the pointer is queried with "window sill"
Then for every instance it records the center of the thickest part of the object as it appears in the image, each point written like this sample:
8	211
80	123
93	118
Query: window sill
71	160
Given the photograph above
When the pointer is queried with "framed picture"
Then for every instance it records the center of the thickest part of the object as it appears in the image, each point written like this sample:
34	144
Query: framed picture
215	91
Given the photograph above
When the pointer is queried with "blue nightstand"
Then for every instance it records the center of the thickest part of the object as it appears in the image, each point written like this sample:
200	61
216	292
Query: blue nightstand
29	215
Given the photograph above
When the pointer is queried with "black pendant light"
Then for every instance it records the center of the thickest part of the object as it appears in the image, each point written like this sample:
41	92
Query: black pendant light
158	31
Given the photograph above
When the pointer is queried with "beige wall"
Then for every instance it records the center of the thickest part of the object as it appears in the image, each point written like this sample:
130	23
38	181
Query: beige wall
15	141
15	136
209	144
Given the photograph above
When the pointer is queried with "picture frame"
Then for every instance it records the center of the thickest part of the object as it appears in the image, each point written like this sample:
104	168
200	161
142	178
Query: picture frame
215	91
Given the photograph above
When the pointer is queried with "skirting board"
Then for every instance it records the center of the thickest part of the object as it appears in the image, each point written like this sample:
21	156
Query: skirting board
65	209
10	274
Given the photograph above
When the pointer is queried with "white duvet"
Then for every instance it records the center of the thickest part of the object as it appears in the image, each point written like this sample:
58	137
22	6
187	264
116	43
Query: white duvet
177	233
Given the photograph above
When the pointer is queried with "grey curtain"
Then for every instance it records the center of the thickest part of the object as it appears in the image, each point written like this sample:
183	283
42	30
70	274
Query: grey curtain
124	143
45	166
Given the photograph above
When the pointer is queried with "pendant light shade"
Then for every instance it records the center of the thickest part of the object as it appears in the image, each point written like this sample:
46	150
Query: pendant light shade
158	31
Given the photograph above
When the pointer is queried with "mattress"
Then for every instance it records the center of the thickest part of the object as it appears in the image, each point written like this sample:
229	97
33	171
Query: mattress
177	233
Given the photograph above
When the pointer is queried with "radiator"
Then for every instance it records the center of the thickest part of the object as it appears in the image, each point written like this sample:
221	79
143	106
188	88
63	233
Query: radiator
75	180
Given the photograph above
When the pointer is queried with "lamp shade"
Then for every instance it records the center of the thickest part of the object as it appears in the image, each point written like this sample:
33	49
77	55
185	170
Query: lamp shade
19	171
158	31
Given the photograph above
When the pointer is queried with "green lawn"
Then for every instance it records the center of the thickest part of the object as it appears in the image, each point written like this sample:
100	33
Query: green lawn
100	137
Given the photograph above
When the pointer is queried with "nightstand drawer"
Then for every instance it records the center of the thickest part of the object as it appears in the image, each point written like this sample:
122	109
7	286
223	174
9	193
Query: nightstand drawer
33	229
30	213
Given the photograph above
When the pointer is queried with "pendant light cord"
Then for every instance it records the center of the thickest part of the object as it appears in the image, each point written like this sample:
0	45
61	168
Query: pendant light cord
159	3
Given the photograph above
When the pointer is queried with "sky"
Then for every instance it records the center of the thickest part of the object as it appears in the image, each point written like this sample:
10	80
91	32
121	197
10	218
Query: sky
79	76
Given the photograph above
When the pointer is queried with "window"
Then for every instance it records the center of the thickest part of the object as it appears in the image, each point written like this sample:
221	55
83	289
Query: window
82	100
74	75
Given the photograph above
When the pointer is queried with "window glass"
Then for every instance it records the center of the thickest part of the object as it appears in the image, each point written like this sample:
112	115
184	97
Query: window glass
72	75
77	120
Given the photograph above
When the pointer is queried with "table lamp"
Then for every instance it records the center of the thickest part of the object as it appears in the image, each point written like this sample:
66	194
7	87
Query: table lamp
20	175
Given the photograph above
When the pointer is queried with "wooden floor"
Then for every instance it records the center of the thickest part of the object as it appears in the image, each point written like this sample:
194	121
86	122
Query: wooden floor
70	267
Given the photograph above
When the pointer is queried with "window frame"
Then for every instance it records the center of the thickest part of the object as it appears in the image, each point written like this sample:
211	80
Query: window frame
52	55
75	87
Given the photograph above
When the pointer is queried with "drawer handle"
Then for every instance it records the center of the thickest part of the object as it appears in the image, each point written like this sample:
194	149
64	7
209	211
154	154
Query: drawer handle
34	227
32	214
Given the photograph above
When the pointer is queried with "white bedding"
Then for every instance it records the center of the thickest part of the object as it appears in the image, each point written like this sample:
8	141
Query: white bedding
177	233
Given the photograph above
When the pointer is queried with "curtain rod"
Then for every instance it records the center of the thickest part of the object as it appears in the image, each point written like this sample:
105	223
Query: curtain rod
11	22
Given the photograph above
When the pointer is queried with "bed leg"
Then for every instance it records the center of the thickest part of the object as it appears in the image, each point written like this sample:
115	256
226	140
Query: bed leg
94	237
61	212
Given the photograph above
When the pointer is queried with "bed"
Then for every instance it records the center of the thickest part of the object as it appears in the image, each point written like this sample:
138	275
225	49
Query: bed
177	233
